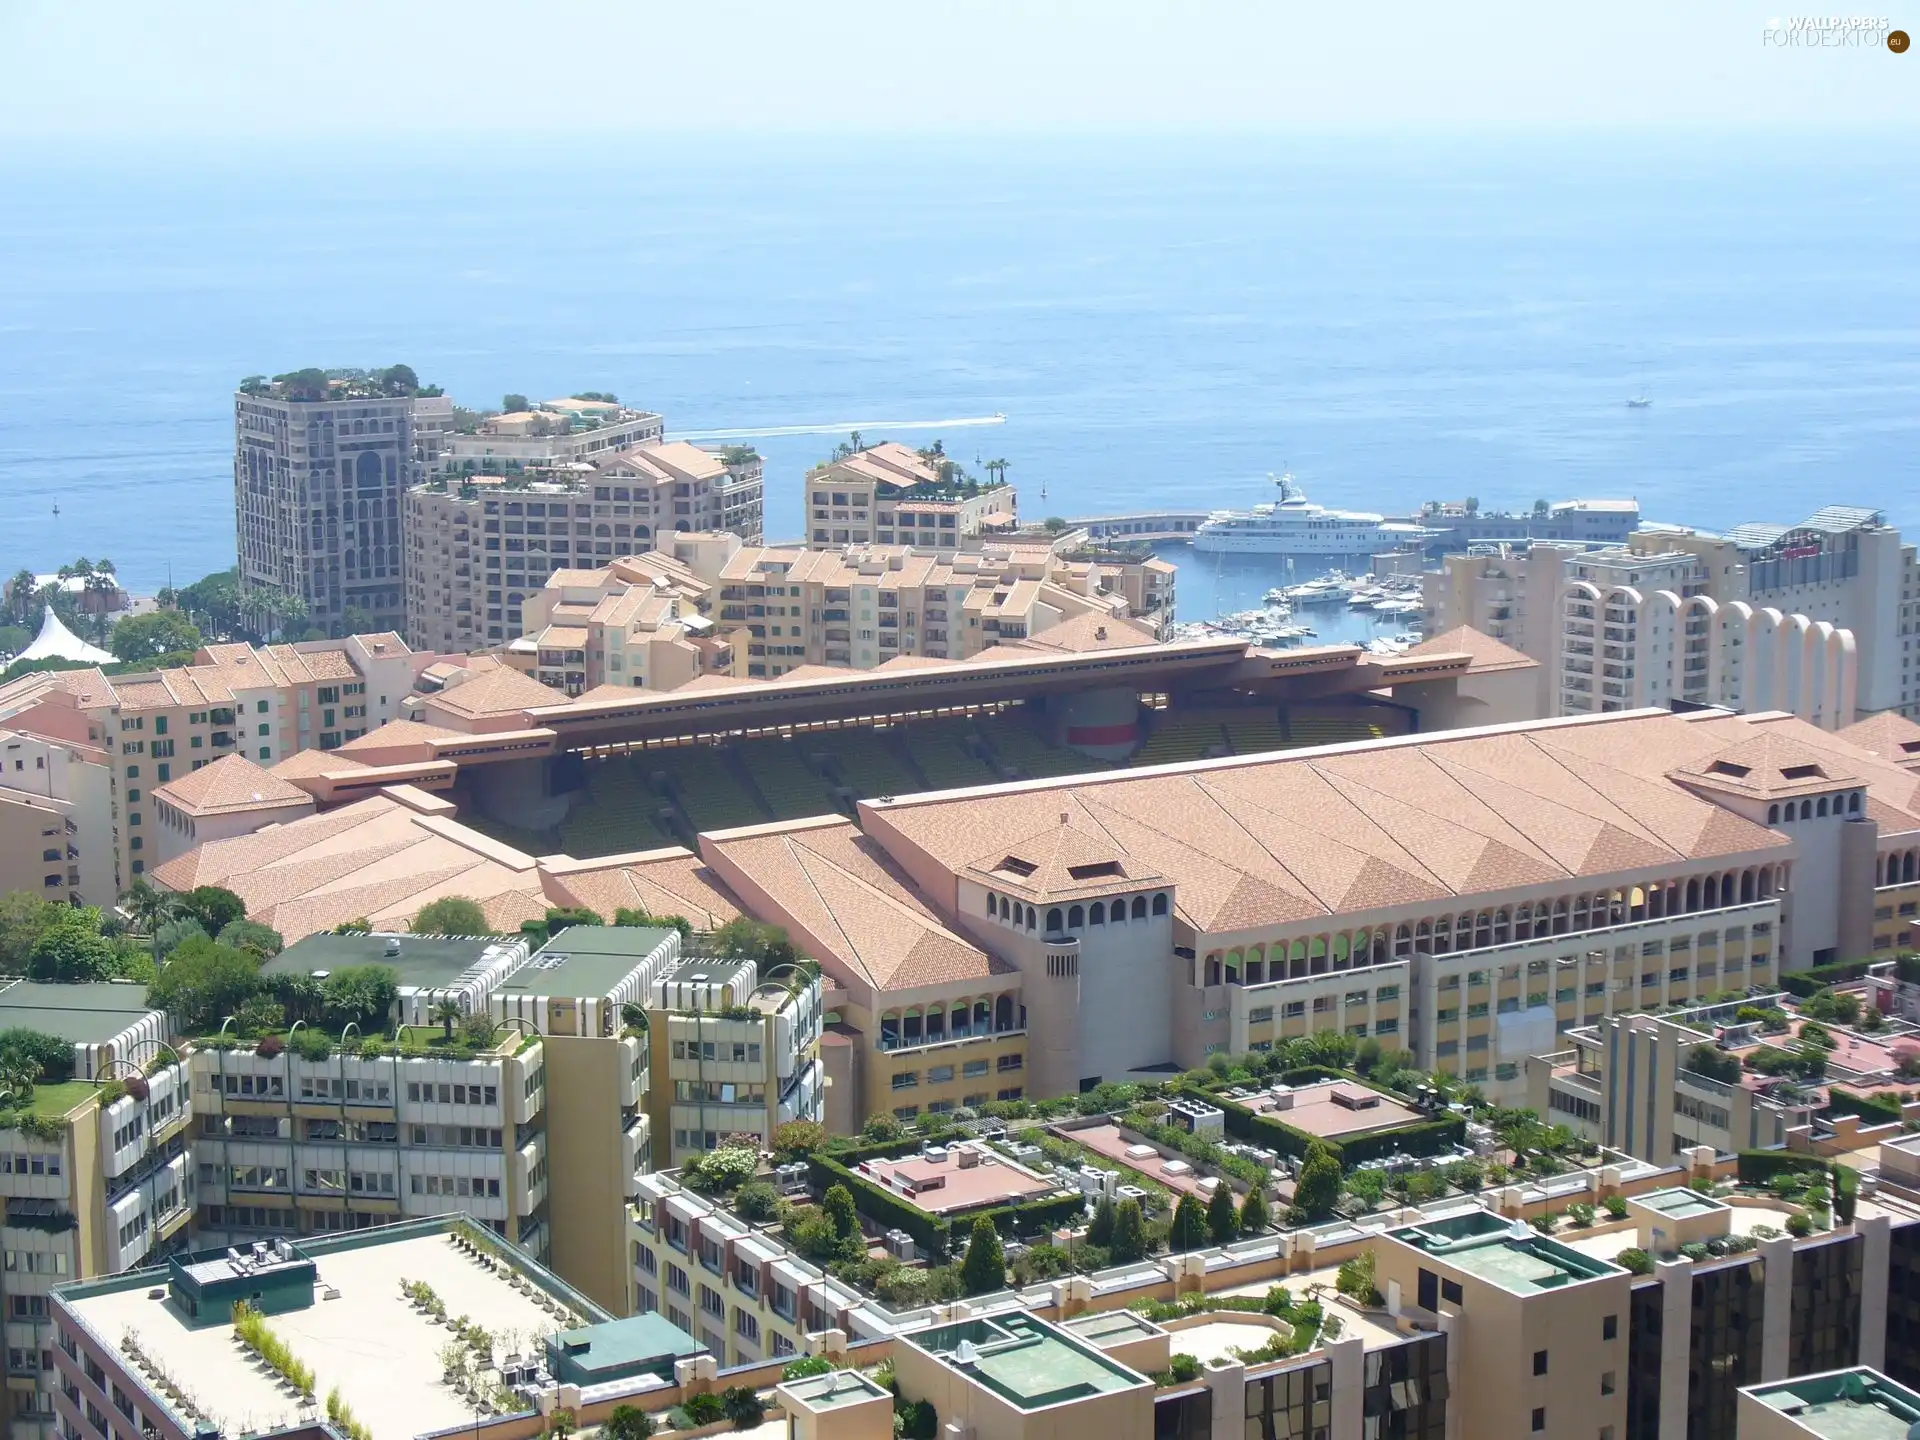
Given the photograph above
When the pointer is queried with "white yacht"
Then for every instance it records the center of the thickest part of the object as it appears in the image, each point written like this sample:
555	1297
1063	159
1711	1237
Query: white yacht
1294	525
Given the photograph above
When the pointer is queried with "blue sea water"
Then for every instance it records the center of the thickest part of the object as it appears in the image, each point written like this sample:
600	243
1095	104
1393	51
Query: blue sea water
1161	323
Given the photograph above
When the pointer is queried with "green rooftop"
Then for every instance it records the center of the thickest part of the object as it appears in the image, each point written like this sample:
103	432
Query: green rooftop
422	962
1679	1203
619	1349
1025	1361
89	1014
586	960
1857	1404
1502	1252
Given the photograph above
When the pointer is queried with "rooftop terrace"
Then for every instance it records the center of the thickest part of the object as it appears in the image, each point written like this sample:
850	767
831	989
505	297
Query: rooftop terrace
422	962
1502	1252
358	1332
1025	1361
1858	1404
84	1014
1335	1109
941	1181
586	960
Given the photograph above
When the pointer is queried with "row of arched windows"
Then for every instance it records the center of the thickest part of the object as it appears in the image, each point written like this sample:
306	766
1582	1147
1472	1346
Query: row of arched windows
1072	919
959	1020
1812	809
1900	868
1501	925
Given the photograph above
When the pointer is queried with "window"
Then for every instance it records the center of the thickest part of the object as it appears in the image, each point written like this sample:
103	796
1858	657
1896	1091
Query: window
1539	1418
1539	1364
1606	1382
1610	1328
1450	1291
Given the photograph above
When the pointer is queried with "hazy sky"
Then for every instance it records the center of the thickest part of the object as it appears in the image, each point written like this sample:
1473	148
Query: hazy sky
133	69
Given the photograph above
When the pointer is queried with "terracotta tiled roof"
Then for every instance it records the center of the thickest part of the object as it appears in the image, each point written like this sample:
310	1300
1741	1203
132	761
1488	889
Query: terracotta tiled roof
396	733
230	783
867	923
493	691
1769	765
1487	654
316	762
1894	738
661	882
1288	837
1079	634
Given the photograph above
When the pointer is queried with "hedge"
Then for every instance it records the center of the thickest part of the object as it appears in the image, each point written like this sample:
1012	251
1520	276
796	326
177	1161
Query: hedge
1805	983
1880	1108
1763	1167
1428	1137
880	1204
1032	1217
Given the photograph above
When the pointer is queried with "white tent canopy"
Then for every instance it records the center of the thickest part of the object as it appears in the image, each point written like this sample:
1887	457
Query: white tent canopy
56	642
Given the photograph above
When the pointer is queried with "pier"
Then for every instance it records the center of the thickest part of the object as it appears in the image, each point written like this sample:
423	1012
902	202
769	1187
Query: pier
1149	525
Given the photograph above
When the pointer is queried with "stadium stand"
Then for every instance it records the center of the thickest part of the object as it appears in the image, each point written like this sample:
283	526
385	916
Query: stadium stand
708	792
1336	726
945	750
1254	731
854	760
616	813
789	788
1026	755
1182	735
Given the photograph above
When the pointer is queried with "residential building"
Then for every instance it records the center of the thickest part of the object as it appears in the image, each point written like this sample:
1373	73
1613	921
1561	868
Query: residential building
478	548
59	806
1813	618
1617	629
1579	522
555	433
224	798
866	605
1838	1405
888	495
177	1370
94	1179
642	621
317	486
735	1055
262	702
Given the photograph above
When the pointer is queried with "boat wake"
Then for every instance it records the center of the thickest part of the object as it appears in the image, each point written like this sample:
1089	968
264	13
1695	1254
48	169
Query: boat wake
844	427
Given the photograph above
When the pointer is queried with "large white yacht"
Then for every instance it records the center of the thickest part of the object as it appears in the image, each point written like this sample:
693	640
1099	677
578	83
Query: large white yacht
1294	525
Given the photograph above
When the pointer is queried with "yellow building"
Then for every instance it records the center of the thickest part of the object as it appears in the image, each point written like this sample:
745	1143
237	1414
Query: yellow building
888	495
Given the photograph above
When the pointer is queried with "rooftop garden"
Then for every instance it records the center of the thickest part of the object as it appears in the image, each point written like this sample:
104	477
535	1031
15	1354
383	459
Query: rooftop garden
395	382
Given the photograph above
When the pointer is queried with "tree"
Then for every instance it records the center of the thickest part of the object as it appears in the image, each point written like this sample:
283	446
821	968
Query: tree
446	1012
215	908
451	915
743	1406
1100	1228
48	1056
1253	1212
147	907
882	1128
169	934
1189	1228
797	1139
262	942
627	1422
837	1206
1319	1184
1541	509
1473	505
1054	524
997	469
1223	1221
163	632
1129	1233
302	996
399	380
984	1267
23	915
513	403
203	983
360	995
308	384
71	948
1713	1062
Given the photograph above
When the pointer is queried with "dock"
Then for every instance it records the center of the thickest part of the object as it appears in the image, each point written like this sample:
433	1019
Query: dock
1148	525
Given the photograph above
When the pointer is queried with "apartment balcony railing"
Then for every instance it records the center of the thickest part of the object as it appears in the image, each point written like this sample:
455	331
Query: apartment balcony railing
945	1042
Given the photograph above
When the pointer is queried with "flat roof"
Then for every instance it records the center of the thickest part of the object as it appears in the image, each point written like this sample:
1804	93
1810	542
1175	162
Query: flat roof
423	961
1856	1404
360	1333
1332	1109
1679	1203
585	960
1027	1362
88	1014
944	1186
636	1341
1502	1252
1106	1140
834	1391
1110	1327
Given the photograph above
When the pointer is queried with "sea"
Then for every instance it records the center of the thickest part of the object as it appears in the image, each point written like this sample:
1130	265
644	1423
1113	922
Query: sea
1127	322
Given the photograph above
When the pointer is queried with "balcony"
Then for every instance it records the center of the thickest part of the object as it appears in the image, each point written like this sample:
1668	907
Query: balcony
897	1046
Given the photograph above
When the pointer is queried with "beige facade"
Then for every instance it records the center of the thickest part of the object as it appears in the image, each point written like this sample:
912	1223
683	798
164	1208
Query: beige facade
642	622
59	814
479	548
556	432
890	495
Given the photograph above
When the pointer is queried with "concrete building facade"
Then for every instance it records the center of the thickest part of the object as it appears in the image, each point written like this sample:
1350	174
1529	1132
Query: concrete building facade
888	494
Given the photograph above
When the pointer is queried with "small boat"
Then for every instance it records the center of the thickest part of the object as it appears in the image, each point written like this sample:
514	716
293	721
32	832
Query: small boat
1638	402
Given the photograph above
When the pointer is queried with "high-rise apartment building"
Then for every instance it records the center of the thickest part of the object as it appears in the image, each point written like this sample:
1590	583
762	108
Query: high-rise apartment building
1817	618
319	469
888	495
478	547
550	434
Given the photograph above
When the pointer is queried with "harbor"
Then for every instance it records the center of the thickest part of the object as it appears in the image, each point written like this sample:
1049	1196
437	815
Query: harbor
1284	601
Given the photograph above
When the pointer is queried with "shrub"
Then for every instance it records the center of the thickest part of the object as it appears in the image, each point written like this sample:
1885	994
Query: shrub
807	1365
1634	1261
630	1422
1580	1213
204	982
1253	1212
1356	1279
1714	1063
1223	1221
1189	1228
883	1128
1129	1232
1799	1224
757	1200
1544	1222
453	915
742	1406
702	1410
260	941
1319	1184
270	1046
1100	1228
797	1139
915	1419
984	1268
725	1169
48	1056
1615	1206
1182	1369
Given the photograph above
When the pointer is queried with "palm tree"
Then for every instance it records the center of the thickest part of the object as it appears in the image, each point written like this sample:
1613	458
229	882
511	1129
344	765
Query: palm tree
148	908
446	1011
997	469
855	444
21	601
303	996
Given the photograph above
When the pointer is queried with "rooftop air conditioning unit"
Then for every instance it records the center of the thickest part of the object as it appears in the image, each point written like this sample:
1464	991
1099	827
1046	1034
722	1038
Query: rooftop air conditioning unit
900	1245
966	1157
